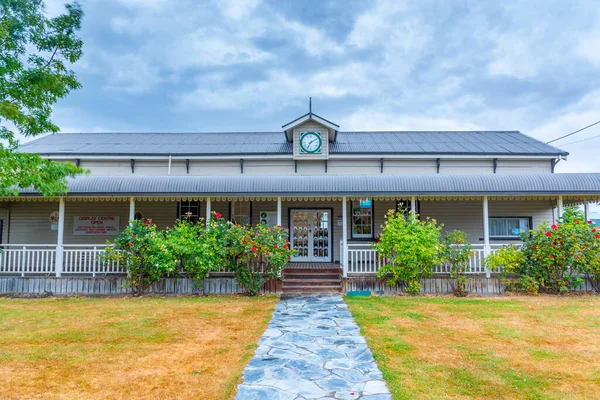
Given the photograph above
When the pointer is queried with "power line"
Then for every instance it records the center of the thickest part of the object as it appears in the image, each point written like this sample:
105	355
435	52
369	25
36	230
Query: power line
579	141
572	133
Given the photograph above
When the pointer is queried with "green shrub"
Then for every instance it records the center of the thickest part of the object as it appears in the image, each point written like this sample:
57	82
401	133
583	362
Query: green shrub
410	249
456	253
257	254
551	258
198	251
141	250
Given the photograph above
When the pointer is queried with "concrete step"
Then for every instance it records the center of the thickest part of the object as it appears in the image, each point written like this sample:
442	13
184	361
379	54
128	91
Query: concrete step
311	276
312	289
311	282
313	270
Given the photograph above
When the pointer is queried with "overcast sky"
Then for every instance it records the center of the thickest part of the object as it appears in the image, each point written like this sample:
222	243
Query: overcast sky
176	65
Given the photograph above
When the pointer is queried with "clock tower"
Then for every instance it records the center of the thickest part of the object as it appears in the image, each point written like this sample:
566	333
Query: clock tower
310	136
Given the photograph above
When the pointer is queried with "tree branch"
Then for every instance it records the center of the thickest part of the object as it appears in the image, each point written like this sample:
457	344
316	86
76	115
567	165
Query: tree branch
51	58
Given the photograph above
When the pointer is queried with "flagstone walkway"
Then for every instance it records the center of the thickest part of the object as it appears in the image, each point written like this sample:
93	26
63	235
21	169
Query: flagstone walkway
312	349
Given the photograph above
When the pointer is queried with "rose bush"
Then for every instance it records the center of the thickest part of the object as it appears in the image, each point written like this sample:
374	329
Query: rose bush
257	254
551	258
410	249
252	254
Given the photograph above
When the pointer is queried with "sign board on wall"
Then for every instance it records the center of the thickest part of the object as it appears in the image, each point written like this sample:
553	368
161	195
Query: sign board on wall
96	225
268	218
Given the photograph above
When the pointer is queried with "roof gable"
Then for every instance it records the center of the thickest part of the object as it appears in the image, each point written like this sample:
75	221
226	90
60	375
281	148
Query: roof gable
288	128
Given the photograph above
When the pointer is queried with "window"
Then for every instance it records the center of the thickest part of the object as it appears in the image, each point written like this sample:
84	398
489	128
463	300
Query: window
509	227
362	219
188	209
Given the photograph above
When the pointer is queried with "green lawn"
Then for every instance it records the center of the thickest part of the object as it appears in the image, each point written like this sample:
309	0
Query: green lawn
498	348
125	348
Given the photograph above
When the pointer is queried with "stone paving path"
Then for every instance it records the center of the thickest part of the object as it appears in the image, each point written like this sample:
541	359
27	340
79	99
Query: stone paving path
312	349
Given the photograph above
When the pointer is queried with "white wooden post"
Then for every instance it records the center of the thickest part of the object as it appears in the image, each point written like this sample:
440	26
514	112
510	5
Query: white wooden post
586	209
413	204
486	232
279	211
58	268
344	237
560	207
131	208
207	212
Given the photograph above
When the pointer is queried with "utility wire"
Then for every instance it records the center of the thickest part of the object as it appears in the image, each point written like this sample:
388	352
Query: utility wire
572	133
579	141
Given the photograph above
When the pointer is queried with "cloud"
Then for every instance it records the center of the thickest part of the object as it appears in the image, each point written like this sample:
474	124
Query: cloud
130	73
372	65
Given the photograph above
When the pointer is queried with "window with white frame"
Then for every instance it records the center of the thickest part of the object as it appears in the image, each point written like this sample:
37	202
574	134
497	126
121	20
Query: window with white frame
188	209
362	219
509	227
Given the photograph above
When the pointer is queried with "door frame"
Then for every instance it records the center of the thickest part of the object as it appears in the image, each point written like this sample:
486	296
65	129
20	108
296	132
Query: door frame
331	227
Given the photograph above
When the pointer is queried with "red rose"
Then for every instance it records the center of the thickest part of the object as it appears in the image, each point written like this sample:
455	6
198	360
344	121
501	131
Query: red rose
576	256
548	234
577	221
594	230
533	247
218	214
553	245
285	246
590	221
253	249
274	246
550	256
134	235
562	247
554	227
566	283
597	236
130	244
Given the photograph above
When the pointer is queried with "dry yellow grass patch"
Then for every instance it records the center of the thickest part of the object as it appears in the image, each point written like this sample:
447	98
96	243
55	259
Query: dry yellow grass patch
502	348
147	348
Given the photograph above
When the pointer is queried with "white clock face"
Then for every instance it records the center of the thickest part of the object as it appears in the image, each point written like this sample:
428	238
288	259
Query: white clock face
310	142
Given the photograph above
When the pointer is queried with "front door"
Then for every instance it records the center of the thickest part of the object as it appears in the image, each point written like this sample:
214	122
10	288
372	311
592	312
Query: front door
311	235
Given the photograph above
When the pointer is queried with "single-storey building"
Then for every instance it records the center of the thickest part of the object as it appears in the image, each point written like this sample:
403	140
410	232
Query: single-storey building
331	187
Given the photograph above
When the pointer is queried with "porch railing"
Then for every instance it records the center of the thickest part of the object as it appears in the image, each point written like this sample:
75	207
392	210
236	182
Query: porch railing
40	259
32	259
363	260
27	259
85	259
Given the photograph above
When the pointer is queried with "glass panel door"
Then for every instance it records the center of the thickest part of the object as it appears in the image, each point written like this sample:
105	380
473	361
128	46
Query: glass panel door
311	235
320	237
300	235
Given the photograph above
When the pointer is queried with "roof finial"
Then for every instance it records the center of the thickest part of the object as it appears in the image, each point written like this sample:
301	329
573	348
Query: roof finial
310	105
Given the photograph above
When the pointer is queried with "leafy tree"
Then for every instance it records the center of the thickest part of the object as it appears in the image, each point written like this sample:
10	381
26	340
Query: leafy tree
34	53
456	253
410	248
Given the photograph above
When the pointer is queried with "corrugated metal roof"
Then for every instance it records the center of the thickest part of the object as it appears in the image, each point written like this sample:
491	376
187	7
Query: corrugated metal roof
439	184
240	143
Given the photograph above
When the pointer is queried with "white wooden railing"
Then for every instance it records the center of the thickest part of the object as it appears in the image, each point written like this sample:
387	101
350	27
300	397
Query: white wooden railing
364	260
40	259
24	259
84	259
